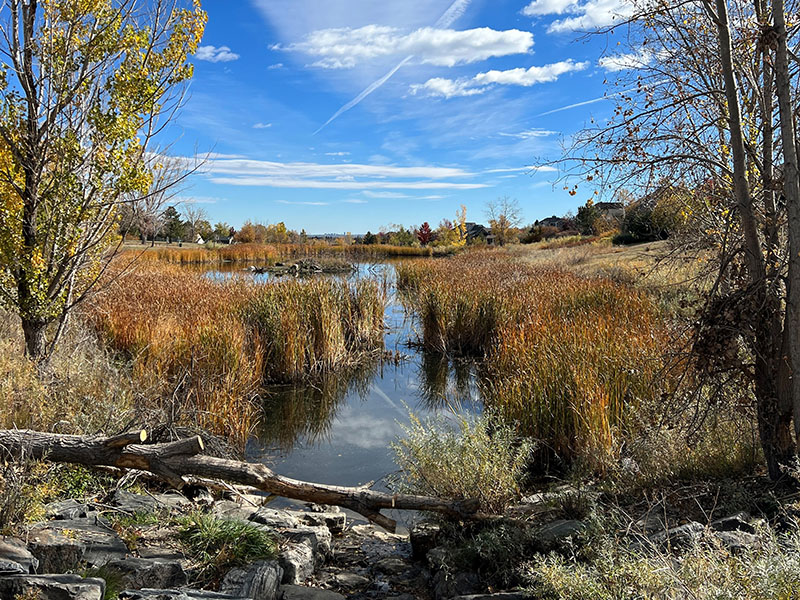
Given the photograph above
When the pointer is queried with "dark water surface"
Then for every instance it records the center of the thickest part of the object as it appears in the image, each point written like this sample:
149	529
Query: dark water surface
340	430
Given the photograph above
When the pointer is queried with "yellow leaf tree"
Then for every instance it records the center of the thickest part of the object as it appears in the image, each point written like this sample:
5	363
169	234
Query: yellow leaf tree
86	87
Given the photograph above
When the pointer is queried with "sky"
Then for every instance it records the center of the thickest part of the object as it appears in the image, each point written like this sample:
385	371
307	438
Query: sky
351	115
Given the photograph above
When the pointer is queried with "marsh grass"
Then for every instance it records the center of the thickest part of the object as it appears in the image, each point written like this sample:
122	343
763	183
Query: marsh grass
203	348
567	359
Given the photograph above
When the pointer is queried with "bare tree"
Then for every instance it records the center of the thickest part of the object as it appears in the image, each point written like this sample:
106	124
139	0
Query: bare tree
193	215
505	215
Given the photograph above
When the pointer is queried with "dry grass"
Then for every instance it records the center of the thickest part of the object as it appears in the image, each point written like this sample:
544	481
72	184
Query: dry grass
204	347
568	359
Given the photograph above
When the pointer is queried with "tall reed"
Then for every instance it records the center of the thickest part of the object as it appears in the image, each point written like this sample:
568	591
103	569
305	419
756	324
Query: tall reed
567	359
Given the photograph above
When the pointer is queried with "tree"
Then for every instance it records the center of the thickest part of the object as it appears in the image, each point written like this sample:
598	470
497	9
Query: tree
700	110
222	232
369	239
173	228
424	234
504	215
85	88
193	216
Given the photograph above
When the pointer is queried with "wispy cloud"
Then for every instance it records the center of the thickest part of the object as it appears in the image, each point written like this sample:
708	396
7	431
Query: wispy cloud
450	16
275	66
344	185
478	84
215	54
601	98
547	7
262	125
344	48
386	195
529	134
356	201
623	62
337	154
592	14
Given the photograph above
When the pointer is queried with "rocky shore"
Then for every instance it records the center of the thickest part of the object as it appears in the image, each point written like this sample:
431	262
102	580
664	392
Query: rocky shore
82	548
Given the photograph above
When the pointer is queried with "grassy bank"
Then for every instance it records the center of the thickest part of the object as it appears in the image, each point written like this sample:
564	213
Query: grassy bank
204	346
569	360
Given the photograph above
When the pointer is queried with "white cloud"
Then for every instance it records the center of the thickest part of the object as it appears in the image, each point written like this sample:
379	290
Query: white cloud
356	201
345	176
275	66
262	125
215	54
386	195
592	14
623	62
547	7
529	133
337	154
343	47
450	88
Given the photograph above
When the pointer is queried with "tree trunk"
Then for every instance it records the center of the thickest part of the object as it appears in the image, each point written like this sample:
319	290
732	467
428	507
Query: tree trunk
174	460
35	338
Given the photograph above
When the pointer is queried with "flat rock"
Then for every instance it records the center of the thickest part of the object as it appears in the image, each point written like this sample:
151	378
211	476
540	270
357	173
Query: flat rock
319	537
496	596
138	573
61	545
155	594
15	550
276	519
679	538
352	581
297	562
67	510
227	509
133	503
738	542
554	533
52	587
9	567
259	580
334	521
392	565
299	592
741	521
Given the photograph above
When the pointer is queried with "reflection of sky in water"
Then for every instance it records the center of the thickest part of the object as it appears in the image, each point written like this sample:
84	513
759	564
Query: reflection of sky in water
355	446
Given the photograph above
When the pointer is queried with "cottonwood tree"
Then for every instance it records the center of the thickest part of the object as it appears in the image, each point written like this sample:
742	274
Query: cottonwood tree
697	107
86	86
194	216
505	215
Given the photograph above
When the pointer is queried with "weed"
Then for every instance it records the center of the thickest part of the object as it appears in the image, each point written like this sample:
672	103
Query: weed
114	580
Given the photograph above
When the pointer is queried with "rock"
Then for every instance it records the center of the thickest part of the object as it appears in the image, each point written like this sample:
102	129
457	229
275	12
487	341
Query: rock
276	519
174	501
61	545
436	558
52	587
9	567
651	523
298	592
259	580
334	521
738	542
555	533
447	586
741	521
352	581
67	510
15	550
133	503
227	509
185	594
319	537
497	596
392	566
297	561
138	573
423	538
678	538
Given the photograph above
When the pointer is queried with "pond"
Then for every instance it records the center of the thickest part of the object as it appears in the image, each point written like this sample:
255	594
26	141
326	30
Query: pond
340	429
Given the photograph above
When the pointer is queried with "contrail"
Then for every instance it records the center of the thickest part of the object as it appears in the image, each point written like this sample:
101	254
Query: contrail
449	17
601	98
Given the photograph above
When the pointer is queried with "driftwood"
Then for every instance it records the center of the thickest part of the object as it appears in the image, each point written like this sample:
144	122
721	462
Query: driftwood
175	460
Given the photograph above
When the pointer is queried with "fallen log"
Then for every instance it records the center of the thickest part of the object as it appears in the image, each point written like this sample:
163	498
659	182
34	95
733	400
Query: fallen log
175	460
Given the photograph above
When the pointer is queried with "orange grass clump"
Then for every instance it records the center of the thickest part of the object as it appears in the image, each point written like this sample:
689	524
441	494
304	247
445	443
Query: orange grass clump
568	359
204	340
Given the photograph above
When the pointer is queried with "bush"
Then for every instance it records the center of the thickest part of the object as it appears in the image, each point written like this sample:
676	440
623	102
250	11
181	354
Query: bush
482	459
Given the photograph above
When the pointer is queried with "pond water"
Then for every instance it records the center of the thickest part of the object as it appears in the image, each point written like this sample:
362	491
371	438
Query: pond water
340	429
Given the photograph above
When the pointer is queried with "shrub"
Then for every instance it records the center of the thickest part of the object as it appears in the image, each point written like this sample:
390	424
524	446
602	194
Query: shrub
482	459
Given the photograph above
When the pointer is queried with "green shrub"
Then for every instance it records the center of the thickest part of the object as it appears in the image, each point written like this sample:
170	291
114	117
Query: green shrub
483	459
218	545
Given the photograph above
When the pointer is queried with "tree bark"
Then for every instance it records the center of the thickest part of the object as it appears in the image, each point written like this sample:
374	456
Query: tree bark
35	331
172	461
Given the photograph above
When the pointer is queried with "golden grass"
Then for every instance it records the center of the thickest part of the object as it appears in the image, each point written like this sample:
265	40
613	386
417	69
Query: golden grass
568	359
208	345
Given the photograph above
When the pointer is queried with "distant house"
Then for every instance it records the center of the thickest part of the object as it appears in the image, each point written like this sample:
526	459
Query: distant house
476	230
199	239
554	221
611	210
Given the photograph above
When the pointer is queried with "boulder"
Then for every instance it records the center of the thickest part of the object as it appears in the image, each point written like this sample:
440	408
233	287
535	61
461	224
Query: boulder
67	510
741	521
352	581
319	537
259	580
738	542
496	596
678	538
424	537
138	573
52	587
297	562
185	594
15	550
392	565
299	592
9	567
553	534
133	503
446	586
61	545
275	519
227	509
334	521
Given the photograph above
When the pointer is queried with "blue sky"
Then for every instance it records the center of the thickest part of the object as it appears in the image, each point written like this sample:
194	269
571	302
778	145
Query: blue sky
467	108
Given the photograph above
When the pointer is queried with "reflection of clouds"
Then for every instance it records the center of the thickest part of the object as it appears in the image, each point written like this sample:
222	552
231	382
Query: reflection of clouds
363	430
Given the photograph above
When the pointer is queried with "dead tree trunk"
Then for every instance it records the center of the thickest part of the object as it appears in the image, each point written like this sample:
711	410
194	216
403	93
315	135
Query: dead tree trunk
174	460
